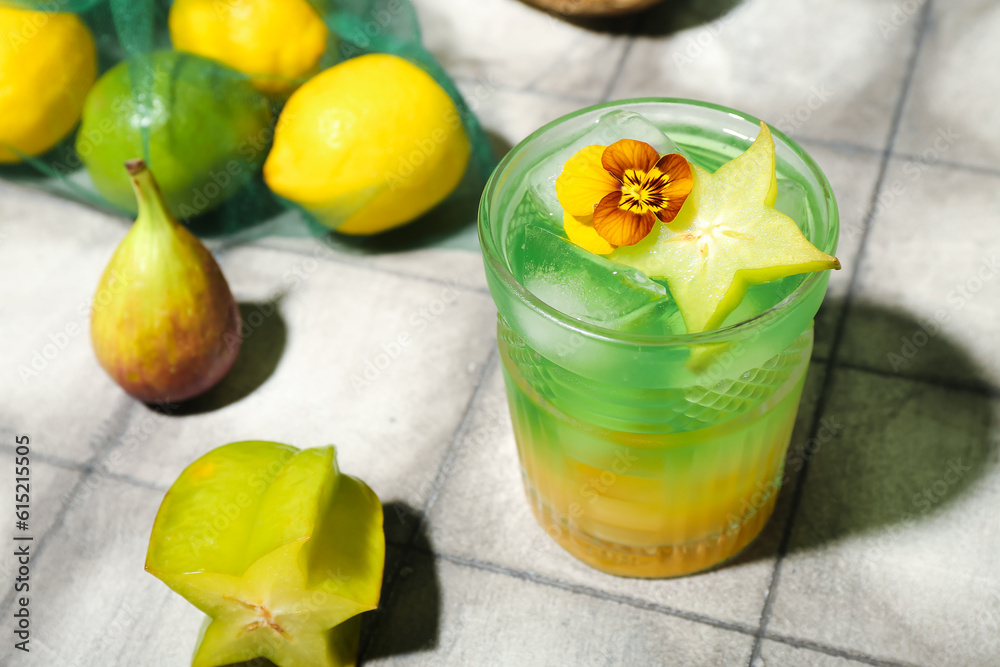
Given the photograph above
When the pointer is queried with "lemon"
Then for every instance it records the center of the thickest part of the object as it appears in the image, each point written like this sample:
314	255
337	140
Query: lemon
368	145
47	65
278	42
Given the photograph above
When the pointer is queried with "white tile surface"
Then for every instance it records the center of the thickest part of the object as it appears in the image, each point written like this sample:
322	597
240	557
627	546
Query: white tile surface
379	365
489	618
816	69
512	44
49	490
99	607
52	256
778	654
949	97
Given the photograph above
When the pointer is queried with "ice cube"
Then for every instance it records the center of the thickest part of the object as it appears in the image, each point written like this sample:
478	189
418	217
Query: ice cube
590	288
617	125
528	213
608	129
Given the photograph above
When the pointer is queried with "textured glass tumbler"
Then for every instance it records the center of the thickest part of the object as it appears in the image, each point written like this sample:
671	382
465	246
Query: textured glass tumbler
653	456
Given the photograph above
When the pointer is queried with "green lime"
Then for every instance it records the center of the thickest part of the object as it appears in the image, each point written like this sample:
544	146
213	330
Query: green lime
206	127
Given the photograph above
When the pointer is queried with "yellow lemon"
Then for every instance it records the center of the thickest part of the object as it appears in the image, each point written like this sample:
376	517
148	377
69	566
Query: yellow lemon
47	65
368	145
278	42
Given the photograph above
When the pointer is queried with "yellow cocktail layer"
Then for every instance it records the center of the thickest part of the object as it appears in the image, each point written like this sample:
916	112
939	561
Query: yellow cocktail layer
652	505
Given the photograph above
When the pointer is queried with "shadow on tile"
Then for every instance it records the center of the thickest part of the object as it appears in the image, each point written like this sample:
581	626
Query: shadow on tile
499	143
663	19
401	522
891	342
264	334
891	442
252	205
408	619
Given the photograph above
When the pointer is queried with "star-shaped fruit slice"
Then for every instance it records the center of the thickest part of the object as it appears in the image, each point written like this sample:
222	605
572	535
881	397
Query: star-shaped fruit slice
279	548
727	237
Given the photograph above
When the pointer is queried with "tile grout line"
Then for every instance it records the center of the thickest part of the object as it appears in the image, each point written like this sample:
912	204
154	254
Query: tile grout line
116	425
86	468
982	389
542	580
959	166
613	79
816	647
838	145
344	260
55	461
858	149
488	365
578	589
831	363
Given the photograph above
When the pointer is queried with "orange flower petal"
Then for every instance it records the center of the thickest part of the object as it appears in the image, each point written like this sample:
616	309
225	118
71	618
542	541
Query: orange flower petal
584	182
677	171
628	154
581	232
675	166
621	227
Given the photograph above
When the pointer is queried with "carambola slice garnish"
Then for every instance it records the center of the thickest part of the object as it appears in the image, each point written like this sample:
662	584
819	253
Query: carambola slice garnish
727	237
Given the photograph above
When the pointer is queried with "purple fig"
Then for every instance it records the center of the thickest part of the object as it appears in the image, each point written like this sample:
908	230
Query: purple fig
164	323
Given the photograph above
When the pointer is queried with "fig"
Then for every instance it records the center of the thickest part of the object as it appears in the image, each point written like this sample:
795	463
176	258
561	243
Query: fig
164	324
280	549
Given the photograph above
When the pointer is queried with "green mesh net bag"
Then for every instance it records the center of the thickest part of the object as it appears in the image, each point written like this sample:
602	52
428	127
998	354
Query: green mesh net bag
107	82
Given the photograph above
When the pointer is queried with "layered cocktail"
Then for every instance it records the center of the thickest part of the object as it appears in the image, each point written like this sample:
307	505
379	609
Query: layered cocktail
657	265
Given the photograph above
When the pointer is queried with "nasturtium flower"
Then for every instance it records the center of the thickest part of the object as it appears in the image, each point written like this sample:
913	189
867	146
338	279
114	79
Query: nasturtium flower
613	195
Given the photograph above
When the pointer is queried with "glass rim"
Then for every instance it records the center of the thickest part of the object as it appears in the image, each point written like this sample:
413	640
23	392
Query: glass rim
493	254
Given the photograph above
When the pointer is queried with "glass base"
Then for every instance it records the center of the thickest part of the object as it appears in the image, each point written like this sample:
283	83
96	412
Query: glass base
650	562
641	504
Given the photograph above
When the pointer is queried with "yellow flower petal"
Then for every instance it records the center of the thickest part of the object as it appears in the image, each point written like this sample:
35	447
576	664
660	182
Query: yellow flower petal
584	181
580	230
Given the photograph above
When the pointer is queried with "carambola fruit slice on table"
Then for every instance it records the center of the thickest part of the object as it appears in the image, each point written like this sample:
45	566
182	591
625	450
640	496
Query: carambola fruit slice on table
726	237
278	547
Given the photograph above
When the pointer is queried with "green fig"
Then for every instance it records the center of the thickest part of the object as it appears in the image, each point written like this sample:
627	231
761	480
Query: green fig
164	324
280	549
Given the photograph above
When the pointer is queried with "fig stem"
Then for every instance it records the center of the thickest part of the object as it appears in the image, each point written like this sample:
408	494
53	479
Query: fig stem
135	166
147	193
